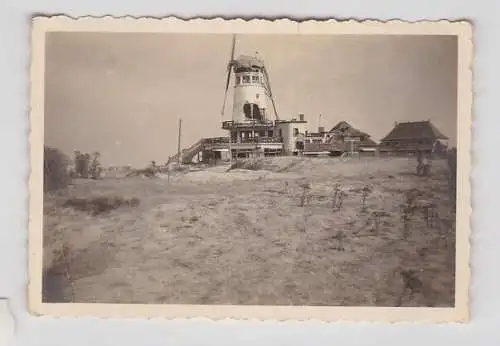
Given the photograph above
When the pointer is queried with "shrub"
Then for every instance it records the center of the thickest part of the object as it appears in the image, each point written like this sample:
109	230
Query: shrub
249	164
100	205
146	172
55	170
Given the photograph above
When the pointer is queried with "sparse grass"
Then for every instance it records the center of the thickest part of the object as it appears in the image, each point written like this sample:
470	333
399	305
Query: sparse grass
250	242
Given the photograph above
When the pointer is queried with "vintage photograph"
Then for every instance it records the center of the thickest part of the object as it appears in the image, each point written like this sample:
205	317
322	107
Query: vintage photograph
251	169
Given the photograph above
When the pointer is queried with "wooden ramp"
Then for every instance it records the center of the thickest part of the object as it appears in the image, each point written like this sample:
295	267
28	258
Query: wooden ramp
188	154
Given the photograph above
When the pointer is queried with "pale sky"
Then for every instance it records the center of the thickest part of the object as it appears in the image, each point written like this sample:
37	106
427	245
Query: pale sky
122	94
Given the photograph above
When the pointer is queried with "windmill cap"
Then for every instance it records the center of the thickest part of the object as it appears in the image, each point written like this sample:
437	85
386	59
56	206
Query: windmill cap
245	61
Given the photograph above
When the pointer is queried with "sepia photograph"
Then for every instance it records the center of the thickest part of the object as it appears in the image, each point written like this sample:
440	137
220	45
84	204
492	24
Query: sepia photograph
243	168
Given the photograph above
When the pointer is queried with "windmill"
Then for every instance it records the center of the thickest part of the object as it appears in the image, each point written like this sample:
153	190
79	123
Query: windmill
234	64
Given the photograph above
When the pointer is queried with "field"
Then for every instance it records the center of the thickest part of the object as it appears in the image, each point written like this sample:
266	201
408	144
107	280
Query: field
282	231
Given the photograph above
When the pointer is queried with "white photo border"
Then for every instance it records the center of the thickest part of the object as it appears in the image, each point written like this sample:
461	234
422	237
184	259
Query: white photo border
462	29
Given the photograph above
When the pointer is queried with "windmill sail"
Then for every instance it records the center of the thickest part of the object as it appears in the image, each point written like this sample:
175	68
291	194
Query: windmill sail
269	91
229	69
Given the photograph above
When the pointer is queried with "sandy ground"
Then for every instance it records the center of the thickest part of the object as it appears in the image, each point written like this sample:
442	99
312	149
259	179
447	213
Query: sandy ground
245	237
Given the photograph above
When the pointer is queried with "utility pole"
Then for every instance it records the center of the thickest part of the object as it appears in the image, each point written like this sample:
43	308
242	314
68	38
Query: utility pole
179	150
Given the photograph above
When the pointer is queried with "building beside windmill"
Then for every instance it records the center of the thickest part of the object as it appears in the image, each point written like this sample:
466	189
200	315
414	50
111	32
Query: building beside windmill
349	139
410	137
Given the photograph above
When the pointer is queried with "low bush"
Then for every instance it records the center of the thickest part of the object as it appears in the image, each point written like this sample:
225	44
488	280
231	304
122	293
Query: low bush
252	165
100	205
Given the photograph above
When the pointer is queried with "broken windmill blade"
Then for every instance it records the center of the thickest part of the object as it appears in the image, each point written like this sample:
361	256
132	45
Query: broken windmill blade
229	69
269	90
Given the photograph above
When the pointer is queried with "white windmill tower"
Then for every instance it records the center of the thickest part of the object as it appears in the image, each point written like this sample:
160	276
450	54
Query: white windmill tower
252	128
252	89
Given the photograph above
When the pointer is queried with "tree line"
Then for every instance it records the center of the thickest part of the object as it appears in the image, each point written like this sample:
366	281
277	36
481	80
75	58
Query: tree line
57	173
87	165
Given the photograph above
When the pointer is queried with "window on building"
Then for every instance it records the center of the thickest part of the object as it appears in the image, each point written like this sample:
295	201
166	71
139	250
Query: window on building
257	96
255	79
238	80
295	131
246	79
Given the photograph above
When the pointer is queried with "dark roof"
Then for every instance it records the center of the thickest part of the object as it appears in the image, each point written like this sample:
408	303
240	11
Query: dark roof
339	125
414	130
349	130
248	62
355	132
368	142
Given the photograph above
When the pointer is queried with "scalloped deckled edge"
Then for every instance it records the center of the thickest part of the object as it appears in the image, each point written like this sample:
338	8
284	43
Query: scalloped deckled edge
462	28
240	25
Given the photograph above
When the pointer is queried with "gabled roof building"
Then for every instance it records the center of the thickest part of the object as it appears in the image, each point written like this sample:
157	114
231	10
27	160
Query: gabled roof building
413	136
347	137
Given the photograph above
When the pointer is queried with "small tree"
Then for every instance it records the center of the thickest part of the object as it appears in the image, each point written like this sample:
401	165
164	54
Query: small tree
86	165
55	170
77	163
95	166
82	163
